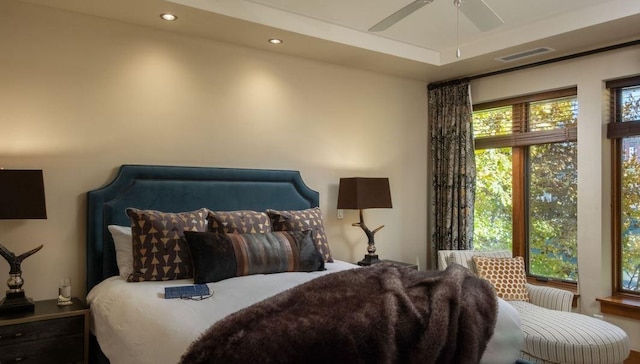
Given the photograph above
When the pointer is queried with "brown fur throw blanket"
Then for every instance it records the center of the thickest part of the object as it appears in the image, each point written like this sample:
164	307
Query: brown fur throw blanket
378	314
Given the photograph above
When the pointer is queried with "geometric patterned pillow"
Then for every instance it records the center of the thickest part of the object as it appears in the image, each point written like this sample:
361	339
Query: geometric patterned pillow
506	275
240	222
160	251
301	220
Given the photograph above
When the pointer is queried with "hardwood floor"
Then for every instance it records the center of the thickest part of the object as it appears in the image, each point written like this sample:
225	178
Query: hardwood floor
634	358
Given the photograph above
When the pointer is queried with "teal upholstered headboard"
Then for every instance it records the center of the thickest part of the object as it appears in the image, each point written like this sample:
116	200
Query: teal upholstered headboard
176	189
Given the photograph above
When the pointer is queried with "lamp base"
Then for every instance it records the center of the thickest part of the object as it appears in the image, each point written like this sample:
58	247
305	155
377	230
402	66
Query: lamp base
15	303
369	259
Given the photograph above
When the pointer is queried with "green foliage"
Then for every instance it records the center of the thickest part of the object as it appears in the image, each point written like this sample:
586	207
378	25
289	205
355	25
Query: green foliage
630	194
631	223
492	122
631	104
553	211
552	191
493	205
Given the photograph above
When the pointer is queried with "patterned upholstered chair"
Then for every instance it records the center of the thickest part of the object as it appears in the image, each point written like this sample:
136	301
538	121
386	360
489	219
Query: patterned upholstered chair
552	333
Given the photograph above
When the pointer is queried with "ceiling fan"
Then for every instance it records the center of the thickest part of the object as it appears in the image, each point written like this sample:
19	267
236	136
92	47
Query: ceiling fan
477	11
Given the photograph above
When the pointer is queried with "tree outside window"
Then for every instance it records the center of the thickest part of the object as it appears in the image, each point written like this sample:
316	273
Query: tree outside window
526	182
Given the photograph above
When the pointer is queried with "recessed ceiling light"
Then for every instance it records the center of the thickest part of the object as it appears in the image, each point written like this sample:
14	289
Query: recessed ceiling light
168	17
275	41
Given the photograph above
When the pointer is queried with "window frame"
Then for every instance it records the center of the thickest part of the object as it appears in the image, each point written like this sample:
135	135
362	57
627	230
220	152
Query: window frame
616	131
520	149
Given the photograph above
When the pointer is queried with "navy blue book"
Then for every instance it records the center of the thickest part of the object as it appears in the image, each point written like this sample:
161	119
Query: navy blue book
194	290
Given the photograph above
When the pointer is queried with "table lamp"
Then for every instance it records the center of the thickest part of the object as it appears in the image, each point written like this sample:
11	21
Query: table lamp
21	197
358	193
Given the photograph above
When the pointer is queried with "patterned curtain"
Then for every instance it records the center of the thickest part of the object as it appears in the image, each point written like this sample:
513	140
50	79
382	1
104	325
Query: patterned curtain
453	165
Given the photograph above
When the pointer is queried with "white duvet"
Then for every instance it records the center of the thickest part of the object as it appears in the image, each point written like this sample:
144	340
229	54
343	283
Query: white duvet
134	323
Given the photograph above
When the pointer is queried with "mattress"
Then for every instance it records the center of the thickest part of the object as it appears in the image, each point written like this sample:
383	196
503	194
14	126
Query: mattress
134	323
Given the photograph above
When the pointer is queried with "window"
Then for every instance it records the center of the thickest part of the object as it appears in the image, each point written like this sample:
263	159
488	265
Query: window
624	131
526	181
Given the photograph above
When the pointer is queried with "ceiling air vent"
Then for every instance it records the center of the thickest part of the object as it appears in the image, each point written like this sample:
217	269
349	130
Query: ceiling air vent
525	54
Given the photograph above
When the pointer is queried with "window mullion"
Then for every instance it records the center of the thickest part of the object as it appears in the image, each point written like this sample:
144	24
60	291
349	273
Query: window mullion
519	202
520	116
616	212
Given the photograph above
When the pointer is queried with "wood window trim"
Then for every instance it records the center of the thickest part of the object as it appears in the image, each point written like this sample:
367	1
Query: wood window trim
624	82
520	135
569	134
518	187
619	303
616	208
622	305
620	130
519	144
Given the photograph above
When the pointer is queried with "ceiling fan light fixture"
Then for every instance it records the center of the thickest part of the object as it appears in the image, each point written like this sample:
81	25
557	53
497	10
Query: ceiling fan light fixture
478	12
385	23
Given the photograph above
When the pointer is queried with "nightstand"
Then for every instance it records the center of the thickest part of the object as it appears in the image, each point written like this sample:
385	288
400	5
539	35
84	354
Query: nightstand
408	265
50	334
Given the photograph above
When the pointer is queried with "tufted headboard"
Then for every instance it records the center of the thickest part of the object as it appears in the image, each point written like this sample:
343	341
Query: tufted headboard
177	189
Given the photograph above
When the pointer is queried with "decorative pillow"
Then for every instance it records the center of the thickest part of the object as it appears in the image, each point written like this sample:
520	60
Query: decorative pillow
300	220
221	256
506	275
160	252
123	242
241	222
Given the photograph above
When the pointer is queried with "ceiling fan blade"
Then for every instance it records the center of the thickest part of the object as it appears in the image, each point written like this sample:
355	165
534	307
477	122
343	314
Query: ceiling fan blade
399	15
480	14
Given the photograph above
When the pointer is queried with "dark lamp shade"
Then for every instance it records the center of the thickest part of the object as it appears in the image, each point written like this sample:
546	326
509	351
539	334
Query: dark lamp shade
22	194
357	193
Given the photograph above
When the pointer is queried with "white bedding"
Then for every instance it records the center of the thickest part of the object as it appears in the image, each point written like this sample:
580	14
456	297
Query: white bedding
135	324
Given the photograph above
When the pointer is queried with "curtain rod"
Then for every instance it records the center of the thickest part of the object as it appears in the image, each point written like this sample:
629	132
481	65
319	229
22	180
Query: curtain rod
537	64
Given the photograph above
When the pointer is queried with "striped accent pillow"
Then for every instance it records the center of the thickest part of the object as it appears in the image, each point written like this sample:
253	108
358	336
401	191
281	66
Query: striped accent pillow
220	256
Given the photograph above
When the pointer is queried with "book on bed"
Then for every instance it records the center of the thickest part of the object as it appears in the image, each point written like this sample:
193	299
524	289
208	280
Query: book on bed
193	290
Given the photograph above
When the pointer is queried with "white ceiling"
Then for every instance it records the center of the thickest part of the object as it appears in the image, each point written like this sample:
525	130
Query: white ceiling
421	46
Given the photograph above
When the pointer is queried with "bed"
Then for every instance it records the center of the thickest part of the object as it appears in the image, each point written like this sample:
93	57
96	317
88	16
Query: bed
134	323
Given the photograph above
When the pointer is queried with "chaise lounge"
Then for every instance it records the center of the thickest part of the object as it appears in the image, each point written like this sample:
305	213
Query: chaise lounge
552	332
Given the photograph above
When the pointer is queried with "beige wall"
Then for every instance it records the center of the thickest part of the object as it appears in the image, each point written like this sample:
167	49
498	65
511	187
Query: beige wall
80	95
594	185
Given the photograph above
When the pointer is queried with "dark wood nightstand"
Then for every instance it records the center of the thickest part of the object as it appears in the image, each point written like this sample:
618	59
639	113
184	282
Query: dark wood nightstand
50	334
